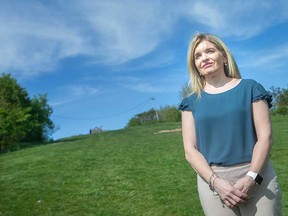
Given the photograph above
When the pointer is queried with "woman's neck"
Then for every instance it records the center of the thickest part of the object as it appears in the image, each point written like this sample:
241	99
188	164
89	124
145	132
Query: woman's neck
219	84
217	81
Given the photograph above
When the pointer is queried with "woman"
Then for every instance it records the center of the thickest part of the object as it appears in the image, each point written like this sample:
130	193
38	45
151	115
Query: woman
227	134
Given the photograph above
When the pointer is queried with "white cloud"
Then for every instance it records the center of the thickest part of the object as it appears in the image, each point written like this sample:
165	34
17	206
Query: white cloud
269	59
243	19
38	34
60	102
125	30
144	87
206	15
35	38
72	93
81	90
140	85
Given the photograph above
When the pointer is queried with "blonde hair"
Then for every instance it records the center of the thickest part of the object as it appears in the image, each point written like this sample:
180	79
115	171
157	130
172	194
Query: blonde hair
197	82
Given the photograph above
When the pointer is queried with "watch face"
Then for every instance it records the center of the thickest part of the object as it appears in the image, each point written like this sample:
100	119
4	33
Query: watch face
258	179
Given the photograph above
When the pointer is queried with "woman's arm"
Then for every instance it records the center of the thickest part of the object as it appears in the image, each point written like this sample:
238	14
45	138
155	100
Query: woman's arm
230	195
192	155
262	123
261	151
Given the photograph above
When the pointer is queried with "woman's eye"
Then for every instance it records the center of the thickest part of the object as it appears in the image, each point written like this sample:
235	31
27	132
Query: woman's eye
210	51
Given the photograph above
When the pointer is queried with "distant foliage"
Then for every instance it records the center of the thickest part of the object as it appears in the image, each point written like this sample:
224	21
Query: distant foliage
169	114
22	119
185	91
280	100
148	117
165	114
96	130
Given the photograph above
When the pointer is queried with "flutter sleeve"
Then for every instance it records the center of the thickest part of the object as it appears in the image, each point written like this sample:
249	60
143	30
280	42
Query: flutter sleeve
184	105
260	93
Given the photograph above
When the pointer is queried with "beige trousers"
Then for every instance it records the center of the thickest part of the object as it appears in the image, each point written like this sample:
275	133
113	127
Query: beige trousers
265	199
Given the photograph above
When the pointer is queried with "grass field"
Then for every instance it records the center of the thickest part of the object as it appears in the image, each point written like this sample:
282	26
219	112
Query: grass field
124	172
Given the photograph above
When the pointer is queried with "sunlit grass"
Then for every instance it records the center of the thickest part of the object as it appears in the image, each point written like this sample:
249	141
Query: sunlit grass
125	172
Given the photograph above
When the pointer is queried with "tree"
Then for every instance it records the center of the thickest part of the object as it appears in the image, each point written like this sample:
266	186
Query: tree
40	125
22	119
169	114
280	100
12	126
14	111
166	114
143	118
185	91
11	92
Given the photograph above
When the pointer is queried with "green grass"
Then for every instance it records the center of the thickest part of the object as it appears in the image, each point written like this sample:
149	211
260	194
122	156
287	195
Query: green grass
125	172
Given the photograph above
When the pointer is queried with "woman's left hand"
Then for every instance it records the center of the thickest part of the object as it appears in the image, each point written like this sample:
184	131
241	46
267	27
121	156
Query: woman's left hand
244	184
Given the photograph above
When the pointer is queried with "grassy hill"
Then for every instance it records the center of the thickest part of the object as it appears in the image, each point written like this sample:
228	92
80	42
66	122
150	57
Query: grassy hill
133	171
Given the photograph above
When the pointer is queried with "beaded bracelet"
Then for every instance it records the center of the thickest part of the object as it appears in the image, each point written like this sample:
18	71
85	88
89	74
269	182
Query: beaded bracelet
212	180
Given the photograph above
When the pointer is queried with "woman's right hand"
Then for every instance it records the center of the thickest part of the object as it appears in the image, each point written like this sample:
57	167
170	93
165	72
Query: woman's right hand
229	194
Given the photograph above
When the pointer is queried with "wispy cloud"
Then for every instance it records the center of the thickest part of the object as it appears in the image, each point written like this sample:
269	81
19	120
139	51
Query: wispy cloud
240	19
139	85
269	59
36	37
80	90
125	30
72	93
39	34
144	87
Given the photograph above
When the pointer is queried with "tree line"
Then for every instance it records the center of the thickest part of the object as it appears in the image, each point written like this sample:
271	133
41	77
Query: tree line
164	114
22	119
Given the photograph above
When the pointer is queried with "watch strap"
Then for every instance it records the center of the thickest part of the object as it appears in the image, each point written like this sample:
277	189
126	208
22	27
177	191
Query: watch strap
256	177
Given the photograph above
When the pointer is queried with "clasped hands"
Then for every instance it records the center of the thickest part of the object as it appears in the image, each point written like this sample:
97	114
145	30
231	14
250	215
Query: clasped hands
233	194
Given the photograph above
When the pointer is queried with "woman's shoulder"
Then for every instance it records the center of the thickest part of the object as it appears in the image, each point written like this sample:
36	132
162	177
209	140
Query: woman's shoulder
192	97
249	84
249	81
258	92
187	102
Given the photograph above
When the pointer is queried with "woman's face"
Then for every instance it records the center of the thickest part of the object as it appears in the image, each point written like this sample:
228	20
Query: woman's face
208	59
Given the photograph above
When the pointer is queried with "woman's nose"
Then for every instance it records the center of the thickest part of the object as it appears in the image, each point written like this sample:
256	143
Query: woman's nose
204	57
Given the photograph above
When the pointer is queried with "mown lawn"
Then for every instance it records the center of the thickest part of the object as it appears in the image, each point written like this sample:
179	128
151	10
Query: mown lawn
125	172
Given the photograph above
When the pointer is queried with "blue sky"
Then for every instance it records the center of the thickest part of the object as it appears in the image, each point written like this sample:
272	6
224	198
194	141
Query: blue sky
101	62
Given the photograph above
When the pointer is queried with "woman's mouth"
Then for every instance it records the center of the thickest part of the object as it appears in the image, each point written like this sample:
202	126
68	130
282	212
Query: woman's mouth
206	65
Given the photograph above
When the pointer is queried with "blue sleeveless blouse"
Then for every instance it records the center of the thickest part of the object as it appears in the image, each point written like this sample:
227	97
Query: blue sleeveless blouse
224	126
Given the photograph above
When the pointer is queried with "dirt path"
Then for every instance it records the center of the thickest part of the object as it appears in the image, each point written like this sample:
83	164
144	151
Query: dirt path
168	131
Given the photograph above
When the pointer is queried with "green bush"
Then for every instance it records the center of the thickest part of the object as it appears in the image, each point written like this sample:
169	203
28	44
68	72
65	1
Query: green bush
169	114
280	100
165	114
